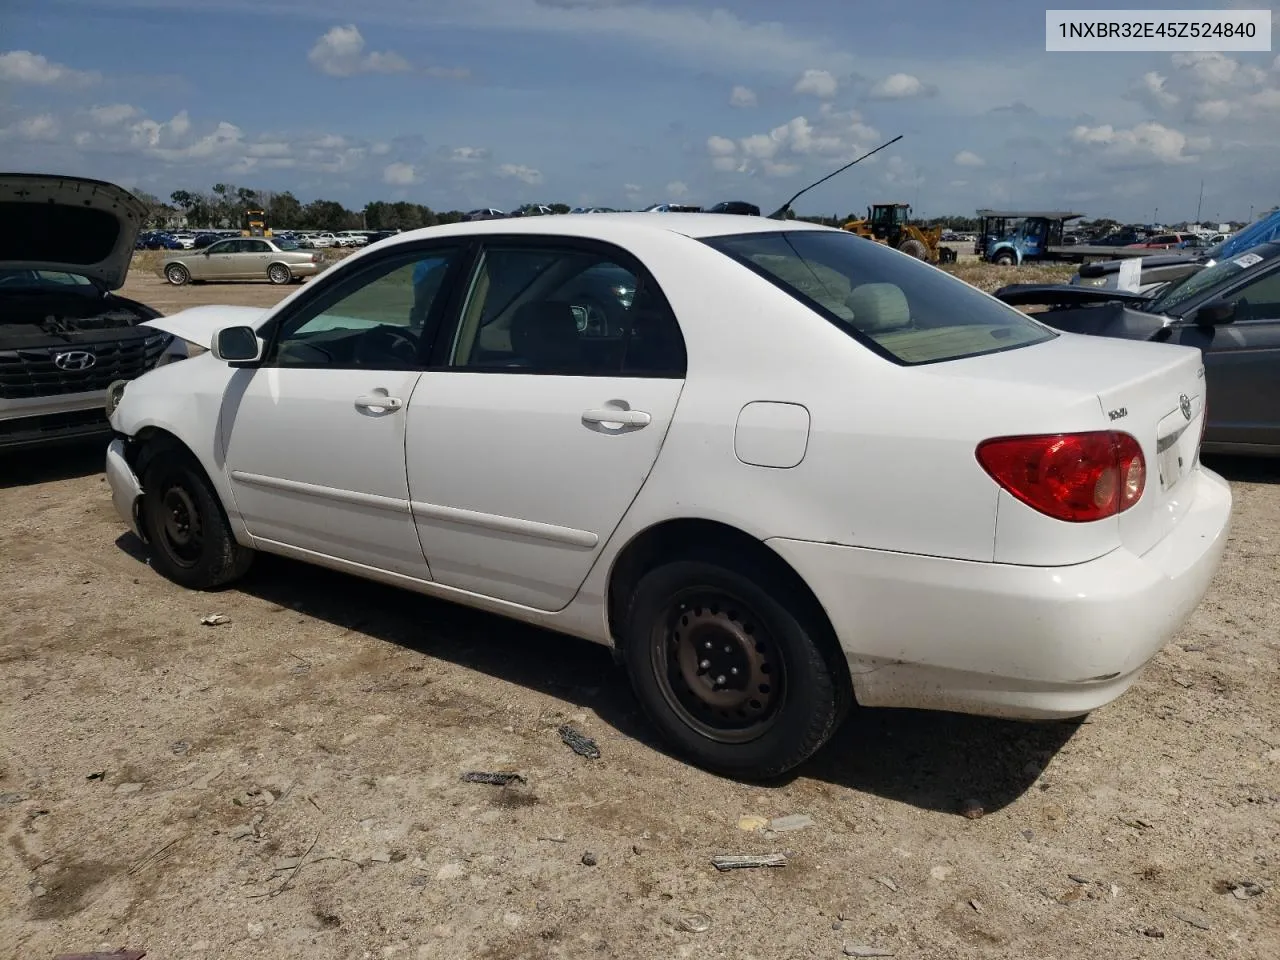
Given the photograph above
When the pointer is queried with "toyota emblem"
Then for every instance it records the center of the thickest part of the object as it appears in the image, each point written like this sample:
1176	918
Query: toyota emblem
1184	403
74	360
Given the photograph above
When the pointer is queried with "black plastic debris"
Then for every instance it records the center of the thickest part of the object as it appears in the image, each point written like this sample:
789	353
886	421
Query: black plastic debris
497	779
582	745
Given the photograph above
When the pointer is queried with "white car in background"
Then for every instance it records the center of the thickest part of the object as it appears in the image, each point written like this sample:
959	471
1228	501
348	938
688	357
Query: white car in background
783	470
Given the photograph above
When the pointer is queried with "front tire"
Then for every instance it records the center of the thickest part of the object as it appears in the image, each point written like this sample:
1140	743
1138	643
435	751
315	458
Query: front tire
279	274
738	678
177	274
915	248
1006	258
190	539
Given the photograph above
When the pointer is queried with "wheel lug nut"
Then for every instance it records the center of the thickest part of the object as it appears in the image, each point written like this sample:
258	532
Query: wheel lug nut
707	644
720	679
705	664
728	649
734	671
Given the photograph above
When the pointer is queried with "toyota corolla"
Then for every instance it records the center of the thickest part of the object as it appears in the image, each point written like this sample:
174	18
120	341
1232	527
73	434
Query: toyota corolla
788	472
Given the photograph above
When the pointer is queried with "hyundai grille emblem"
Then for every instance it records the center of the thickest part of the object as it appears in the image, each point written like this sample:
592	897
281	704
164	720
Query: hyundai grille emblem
74	360
1185	403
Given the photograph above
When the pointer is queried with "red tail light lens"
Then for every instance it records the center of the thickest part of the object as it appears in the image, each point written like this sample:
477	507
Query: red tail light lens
1076	477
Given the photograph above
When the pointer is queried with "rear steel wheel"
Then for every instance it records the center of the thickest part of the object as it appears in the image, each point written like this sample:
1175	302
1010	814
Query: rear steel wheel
278	273
717	666
743	679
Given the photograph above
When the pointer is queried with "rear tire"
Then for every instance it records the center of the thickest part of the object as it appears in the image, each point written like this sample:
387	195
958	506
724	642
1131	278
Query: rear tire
915	248
190	539
177	274
740	680
279	274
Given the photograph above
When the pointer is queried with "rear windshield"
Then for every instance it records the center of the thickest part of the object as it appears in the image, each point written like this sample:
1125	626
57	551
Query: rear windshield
903	309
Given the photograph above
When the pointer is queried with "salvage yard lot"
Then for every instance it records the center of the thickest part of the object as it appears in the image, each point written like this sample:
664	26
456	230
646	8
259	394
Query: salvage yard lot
288	784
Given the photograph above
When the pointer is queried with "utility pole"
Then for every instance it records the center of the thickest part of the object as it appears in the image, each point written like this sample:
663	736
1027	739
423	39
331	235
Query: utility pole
1199	202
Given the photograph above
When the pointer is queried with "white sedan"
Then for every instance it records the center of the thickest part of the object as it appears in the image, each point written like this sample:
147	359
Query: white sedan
778	469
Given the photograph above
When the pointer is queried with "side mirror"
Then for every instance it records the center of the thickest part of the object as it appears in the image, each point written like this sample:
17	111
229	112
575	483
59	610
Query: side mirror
1214	313
237	345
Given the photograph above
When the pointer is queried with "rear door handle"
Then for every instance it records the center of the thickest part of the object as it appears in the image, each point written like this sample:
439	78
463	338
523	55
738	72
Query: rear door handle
383	403
628	418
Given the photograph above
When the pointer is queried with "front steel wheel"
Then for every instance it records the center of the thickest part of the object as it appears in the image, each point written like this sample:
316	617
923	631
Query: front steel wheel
177	274
186	528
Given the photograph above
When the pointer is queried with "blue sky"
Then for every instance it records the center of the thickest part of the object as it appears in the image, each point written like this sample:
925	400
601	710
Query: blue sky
464	103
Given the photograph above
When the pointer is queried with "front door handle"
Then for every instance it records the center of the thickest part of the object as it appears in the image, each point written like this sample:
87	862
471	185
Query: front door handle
627	418
376	402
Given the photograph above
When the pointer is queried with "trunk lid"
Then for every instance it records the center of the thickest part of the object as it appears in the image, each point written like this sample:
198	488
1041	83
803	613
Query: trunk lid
68	225
1153	391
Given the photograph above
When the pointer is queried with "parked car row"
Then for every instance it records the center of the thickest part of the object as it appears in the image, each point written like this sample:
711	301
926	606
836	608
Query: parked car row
736	207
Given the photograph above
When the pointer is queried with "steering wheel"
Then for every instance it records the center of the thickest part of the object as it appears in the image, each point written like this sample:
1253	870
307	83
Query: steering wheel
385	342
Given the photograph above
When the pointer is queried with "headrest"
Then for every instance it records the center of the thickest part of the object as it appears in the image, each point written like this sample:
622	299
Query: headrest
546	334
879	307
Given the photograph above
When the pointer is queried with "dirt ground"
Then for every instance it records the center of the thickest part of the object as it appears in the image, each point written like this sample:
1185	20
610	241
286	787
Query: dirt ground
289	784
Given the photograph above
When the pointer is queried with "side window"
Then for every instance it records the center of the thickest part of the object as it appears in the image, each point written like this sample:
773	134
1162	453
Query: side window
575	312
1259	300
380	320
223	247
257	246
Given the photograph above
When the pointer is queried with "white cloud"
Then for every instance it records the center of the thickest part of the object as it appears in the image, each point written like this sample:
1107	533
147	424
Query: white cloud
632	190
1217	69
113	114
721	146
42	127
1152	141
380	149
958	183
677	189
832	135
468	154
181	123
742	97
340	53
967	158
901	86
512	171
819	83
1154	86
1212	111
23	66
398	174
268	148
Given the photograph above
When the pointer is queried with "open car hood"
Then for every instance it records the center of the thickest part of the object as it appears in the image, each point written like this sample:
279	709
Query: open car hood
1063	294
69	225
199	324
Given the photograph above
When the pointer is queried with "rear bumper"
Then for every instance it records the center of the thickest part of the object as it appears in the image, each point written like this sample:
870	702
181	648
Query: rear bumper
1013	641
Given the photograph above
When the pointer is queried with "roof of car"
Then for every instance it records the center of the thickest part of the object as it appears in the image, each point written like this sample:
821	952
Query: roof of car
617	226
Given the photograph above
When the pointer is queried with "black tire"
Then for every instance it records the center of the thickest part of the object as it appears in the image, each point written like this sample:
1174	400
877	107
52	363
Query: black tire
1005	258
762	728
279	274
177	274
915	248
187	531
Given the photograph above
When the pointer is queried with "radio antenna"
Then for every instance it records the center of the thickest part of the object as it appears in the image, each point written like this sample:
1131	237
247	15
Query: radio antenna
781	212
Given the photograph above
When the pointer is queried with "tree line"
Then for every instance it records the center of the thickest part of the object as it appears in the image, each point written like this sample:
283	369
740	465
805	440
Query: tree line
224	206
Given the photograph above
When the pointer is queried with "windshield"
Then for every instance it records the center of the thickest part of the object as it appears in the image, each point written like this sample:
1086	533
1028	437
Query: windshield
42	280
903	309
1197	283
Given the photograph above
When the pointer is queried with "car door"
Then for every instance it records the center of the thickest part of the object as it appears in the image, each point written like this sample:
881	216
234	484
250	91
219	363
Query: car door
1242	363
314	434
255	258
540	417
217	261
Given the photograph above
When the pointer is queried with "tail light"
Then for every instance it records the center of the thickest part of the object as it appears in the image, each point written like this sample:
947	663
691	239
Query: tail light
1076	477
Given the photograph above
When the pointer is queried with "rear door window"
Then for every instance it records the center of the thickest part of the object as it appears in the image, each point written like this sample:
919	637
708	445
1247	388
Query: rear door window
904	310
